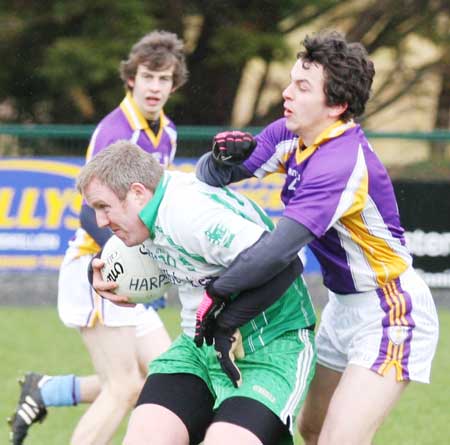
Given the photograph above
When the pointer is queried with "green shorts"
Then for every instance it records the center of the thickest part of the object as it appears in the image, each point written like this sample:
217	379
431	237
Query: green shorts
277	375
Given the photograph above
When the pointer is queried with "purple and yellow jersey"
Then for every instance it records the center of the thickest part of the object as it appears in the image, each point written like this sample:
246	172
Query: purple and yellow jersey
127	122
338	188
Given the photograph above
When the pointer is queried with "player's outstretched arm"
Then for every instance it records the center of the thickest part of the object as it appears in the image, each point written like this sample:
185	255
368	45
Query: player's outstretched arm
250	303
223	165
209	172
262	261
268	257
221	313
219	320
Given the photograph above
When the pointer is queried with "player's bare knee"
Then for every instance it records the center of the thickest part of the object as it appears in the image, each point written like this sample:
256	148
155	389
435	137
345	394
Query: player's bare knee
309	431
126	392
343	435
340	439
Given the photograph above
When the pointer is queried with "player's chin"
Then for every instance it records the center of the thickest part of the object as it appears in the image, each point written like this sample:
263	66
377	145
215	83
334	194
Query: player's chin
129	240
152	111
125	238
291	125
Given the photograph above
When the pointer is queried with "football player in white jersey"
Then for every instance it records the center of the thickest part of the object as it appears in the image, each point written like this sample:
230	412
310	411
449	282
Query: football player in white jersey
194	231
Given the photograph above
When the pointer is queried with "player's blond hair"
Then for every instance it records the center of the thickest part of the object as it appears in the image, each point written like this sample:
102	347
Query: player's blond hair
157	50
118	166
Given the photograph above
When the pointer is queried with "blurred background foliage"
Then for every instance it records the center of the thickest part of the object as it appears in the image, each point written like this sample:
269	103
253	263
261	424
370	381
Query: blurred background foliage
60	58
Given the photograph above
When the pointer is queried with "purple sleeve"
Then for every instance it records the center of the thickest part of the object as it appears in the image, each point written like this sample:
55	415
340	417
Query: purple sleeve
105	137
111	128
265	153
326	189
101	140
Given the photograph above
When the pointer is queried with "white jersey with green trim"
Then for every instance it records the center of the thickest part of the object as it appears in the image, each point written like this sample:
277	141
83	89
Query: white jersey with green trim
197	231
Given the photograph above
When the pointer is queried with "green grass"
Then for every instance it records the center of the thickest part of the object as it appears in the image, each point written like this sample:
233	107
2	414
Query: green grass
35	339
422	415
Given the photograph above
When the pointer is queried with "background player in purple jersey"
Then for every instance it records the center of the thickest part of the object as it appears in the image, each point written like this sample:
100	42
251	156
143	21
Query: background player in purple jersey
121	341
379	329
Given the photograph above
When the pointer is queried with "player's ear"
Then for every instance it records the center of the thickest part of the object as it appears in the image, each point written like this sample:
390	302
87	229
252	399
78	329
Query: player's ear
336	111
140	193
130	83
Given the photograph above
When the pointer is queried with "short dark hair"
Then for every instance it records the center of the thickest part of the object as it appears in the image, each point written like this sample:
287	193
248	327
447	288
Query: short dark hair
157	51
348	71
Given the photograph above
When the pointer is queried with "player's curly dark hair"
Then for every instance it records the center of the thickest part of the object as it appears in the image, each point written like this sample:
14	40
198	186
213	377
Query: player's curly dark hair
157	50
347	70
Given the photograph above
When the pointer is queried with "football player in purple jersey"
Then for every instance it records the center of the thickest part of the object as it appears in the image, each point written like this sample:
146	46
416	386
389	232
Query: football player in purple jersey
120	341
379	329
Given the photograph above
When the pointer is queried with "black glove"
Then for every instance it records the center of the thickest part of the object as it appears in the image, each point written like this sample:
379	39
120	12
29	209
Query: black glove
232	147
205	318
90	270
228	346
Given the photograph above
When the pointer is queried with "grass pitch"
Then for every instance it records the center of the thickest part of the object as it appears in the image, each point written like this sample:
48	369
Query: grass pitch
35	339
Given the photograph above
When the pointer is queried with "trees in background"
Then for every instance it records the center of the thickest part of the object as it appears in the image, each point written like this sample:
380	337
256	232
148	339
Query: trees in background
388	24
60	58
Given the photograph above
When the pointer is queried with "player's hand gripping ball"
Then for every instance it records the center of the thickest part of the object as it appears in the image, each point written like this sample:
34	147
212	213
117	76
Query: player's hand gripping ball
232	147
137	274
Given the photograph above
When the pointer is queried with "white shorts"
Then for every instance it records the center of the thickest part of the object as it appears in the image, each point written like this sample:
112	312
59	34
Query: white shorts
396	325
79	306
